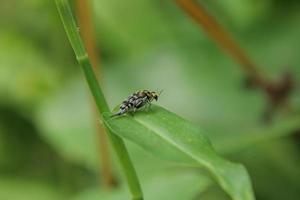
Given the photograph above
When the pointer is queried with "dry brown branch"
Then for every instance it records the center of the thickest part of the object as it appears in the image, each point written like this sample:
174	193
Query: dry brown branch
276	92
221	37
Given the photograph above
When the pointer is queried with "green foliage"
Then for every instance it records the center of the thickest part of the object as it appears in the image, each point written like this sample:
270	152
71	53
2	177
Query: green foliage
71	29
279	157
73	136
33	76
233	179
28	190
144	45
185	185
169	136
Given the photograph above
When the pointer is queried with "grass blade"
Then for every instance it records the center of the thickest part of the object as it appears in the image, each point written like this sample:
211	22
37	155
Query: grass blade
82	57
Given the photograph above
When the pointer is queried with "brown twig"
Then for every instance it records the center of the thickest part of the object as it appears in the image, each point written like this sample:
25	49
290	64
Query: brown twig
221	37
276	92
83	12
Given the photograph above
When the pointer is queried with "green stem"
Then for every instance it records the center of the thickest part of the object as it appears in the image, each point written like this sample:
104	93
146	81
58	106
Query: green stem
82	58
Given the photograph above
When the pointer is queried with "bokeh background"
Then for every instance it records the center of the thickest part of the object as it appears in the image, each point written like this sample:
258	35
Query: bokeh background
49	148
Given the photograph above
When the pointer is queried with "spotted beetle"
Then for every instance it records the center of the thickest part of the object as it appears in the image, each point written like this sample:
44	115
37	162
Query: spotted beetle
137	100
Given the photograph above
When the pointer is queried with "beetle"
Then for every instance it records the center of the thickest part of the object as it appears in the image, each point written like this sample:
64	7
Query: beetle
137	100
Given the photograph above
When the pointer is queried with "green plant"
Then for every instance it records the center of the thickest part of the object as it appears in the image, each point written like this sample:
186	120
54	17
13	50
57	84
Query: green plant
82	58
160	131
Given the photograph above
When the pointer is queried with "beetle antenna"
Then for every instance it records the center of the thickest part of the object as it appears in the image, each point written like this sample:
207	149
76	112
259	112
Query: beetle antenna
159	93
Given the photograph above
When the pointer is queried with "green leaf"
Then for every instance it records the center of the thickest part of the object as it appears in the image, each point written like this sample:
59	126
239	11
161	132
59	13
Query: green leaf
167	135
183	184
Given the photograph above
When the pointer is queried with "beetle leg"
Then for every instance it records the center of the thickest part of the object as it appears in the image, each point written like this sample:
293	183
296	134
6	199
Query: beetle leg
130	112
134	110
148	106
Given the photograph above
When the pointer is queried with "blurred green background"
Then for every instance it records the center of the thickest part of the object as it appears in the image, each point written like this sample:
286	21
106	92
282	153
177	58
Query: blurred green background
48	145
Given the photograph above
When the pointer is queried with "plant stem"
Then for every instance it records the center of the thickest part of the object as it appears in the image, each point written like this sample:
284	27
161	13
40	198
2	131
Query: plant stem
276	92
222	38
83	13
82	57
